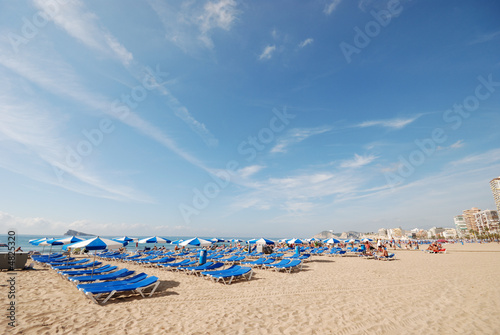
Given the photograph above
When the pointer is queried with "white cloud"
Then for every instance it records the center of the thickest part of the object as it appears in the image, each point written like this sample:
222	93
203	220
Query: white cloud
457	145
483	159
358	161
187	24
249	170
296	135
331	7
267	53
306	42
397	123
83	26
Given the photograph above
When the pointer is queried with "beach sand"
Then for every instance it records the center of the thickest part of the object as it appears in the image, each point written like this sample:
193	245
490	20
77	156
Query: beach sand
418	293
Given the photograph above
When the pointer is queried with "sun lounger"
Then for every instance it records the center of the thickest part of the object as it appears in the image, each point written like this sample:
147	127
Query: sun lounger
205	267
390	257
272	265
229	274
122	273
77	266
289	267
257	262
159	260
94	293
81	261
170	266
103	269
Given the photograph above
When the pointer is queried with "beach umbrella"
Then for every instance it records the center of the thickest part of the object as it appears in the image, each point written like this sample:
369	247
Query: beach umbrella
331	241
367	240
294	241
125	239
154	239
66	240
196	242
351	241
236	240
95	243
261	241
177	241
216	240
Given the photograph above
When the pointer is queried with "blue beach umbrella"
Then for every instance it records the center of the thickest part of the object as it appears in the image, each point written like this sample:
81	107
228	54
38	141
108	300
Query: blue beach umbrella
367	240
236	240
294	241
331	241
177	241
196	242
95	243
125	239
155	239
261	241
216	240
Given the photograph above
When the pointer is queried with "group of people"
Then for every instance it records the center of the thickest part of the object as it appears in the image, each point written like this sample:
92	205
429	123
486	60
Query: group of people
368	249
435	247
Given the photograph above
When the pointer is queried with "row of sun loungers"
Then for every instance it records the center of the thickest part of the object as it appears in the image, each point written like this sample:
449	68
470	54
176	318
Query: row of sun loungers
98	282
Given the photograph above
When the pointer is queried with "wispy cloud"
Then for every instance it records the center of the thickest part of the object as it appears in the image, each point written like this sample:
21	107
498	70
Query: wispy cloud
219	14
329	8
190	26
306	42
296	135
397	123
458	144
358	161
83	25
32	144
486	38
484	159
249	170
267	53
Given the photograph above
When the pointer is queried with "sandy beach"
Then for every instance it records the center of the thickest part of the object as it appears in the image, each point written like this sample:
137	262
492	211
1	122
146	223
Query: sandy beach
418	293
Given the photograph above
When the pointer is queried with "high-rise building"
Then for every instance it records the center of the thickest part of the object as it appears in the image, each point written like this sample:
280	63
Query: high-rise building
487	221
460	225
470	220
495	188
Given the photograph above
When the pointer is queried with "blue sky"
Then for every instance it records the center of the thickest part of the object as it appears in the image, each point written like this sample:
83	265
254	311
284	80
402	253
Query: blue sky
261	118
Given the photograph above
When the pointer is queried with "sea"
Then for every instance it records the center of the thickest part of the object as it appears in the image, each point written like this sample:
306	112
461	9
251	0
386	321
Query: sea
22	240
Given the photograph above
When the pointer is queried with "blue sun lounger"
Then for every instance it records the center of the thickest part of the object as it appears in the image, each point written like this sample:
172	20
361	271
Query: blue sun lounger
77	266
280	263
102	269
292	265
231	274
68	261
100	277
257	262
95	292
154	262
205	267
185	262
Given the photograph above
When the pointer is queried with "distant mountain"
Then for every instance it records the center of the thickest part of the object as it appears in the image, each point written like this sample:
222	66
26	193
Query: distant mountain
71	232
343	236
325	234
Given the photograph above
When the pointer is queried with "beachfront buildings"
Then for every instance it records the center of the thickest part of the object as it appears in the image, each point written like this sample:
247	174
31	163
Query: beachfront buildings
487	221
460	225
495	188
470	219
435	232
